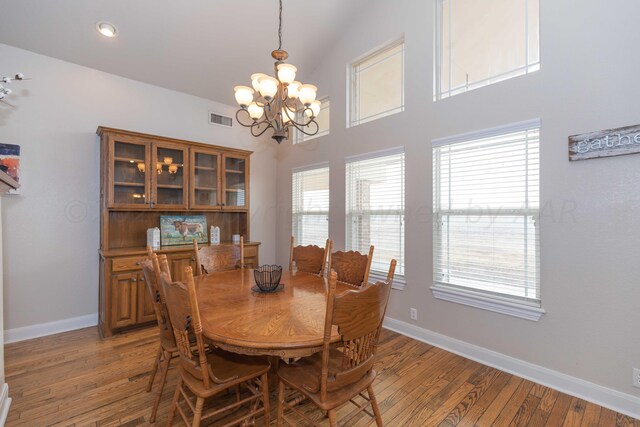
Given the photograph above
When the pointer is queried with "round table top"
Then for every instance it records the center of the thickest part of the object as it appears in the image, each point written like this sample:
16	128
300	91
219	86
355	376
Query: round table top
286	323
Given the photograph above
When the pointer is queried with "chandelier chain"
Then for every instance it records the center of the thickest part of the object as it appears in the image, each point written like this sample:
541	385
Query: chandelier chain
280	27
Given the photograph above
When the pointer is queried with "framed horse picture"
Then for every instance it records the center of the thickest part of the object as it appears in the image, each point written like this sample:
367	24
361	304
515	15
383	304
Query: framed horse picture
181	229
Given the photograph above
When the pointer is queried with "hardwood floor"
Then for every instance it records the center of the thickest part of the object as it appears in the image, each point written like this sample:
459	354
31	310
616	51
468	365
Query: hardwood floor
76	379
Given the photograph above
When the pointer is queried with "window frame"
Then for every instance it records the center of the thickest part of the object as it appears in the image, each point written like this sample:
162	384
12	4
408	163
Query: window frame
524	70
299	215
399	281
492	301
300	137
353	118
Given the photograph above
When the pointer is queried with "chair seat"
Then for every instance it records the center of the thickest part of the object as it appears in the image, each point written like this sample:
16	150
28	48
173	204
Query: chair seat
234	367
304	375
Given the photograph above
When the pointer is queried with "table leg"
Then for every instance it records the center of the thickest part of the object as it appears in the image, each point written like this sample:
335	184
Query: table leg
273	374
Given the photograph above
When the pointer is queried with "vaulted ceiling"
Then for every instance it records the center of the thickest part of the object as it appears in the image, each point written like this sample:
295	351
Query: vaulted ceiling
201	47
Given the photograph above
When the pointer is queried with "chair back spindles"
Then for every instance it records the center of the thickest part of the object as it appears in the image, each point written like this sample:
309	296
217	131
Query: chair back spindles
309	259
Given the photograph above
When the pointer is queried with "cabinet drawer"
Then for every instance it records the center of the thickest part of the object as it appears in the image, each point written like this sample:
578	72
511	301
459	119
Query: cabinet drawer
125	264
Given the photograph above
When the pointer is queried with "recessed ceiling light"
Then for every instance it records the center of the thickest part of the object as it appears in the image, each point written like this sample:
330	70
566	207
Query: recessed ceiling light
107	29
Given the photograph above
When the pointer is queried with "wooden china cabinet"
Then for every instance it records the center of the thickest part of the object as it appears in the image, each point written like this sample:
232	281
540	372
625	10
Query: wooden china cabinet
144	177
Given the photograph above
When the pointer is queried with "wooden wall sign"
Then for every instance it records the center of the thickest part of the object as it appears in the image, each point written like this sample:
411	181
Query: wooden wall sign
605	143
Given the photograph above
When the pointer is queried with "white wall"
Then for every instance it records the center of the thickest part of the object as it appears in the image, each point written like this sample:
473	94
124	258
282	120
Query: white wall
51	230
590	271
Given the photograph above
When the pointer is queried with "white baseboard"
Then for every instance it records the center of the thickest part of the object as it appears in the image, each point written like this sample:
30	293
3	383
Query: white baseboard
5	402
603	396
43	329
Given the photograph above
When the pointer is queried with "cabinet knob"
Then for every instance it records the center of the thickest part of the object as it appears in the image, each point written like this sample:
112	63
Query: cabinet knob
134	280
138	263
142	279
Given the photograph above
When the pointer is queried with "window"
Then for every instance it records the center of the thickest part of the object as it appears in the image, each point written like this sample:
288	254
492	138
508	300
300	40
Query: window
486	209
323	123
375	209
481	42
310	205
377	84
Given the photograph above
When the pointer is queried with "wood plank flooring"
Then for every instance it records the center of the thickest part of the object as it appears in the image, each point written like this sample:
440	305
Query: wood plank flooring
77	379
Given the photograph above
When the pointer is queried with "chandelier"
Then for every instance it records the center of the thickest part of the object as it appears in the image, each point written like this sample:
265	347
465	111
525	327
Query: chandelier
280	102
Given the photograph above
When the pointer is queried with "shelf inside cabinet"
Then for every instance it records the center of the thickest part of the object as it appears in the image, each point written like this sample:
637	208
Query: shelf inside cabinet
129	184
170	186
233	171
128	160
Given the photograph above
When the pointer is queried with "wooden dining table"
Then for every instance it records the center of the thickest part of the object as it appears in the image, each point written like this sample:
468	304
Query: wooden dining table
288	323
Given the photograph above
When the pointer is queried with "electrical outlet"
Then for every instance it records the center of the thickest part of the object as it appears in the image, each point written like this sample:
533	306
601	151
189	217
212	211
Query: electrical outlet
414	313
636	377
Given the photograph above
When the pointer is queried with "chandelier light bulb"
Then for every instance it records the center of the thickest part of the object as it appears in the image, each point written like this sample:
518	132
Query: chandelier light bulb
173	169
255	111
314	109
141	167
268	87
244	95
286	73
168	160
307	94
292	89
255	80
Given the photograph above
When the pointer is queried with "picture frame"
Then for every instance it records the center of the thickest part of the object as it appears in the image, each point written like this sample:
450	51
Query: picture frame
182	229
10	163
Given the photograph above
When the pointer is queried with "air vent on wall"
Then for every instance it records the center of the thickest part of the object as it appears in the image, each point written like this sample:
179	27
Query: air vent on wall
220	120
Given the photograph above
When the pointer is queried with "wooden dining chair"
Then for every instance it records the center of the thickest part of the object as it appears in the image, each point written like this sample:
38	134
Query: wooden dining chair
167	350
340	373
309	259
352	267
212	258
207	374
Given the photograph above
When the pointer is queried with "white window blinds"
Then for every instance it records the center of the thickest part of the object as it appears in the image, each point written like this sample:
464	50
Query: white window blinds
486	209
375	208
310	206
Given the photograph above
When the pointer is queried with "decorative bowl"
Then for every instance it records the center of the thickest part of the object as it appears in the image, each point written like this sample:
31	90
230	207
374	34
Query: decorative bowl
268	277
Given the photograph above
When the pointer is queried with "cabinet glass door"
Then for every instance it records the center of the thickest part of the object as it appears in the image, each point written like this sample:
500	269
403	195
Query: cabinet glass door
235	182
169	187
129	180
205	166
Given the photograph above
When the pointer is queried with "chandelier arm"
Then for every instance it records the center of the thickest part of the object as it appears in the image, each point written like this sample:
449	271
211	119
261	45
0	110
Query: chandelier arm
302	114
253	123
266	128
300	128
